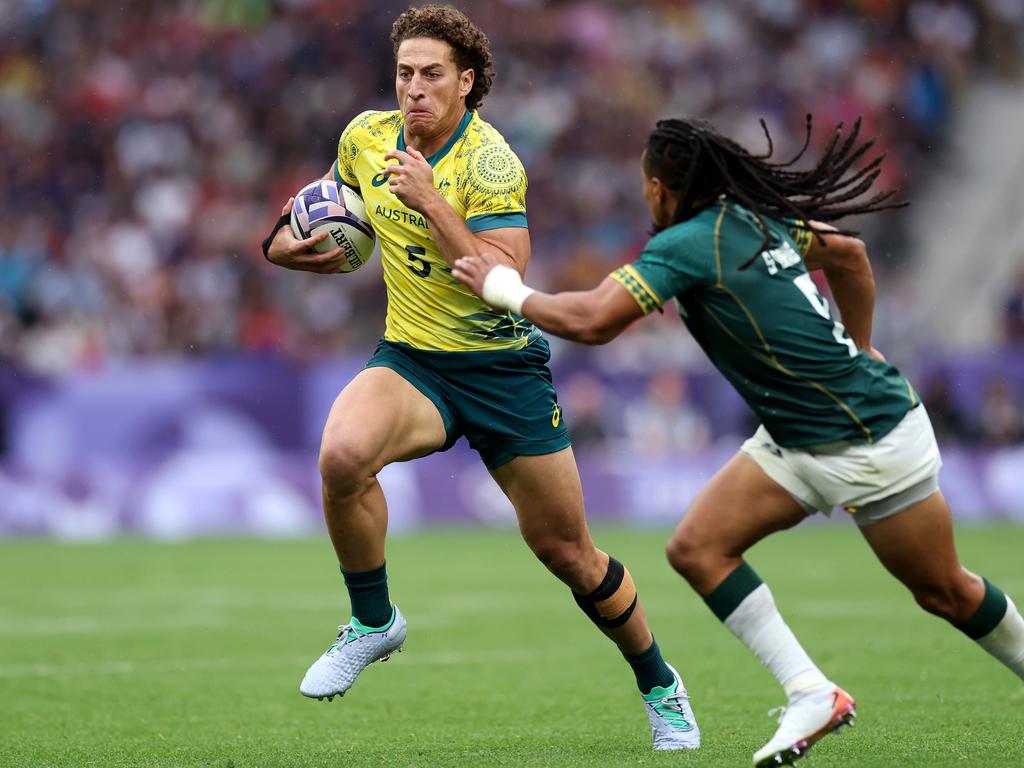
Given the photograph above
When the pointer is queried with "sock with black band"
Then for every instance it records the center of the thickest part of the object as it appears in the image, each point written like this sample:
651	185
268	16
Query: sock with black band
998	627
745	605
368	591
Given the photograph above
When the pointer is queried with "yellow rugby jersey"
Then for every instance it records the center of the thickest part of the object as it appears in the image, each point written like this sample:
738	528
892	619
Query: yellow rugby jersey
482	179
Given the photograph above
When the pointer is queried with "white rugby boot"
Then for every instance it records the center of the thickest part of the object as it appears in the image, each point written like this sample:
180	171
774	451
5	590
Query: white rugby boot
356	647
805	720
673	725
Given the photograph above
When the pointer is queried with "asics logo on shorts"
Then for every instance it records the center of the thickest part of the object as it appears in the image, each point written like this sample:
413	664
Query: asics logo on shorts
556	416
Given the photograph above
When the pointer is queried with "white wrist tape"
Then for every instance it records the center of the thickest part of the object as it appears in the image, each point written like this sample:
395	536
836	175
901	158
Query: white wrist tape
504	289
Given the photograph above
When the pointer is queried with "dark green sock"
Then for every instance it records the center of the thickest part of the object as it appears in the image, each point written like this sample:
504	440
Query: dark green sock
368	591
727	596
650	669
988	614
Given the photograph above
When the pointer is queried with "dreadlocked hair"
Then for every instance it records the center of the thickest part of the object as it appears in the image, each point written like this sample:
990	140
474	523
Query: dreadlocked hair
692	159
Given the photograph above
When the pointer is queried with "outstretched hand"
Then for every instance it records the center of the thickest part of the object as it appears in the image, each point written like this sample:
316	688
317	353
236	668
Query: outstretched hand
499	285
286	250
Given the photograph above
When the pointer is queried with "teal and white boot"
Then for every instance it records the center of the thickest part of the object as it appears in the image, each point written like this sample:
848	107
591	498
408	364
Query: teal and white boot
672	722
356	647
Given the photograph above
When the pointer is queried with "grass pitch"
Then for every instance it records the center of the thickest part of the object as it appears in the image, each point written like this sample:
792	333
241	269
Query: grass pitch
133	653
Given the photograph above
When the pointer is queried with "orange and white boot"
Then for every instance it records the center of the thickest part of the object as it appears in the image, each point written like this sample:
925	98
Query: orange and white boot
804	721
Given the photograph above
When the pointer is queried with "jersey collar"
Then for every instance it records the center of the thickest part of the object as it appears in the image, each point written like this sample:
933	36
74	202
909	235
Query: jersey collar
438	156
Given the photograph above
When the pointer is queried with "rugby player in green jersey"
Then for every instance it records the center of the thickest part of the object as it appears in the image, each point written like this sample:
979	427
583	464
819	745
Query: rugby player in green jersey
438	181
736	238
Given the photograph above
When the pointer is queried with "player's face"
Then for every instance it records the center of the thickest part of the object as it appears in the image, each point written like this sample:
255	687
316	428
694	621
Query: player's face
431	89
656	198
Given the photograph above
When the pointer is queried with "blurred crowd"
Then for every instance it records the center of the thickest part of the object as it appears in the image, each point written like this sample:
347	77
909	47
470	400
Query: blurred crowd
148	146
663	416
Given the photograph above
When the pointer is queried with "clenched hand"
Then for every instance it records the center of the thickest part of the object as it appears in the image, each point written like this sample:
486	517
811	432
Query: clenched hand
288	251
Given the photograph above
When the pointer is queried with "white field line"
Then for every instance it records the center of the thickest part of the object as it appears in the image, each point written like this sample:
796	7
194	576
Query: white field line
167	600
315	597
165	623
129	667
98	625
436	613
432	614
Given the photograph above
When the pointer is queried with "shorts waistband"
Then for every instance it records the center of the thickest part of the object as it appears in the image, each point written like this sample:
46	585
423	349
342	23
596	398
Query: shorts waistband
836	447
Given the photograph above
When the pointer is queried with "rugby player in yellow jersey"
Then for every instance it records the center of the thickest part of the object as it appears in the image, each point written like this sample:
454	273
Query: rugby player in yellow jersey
840	426
440	182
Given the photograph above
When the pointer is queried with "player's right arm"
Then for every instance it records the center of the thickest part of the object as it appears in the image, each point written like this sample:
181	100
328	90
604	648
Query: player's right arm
286	250
590	317
847	269
671	264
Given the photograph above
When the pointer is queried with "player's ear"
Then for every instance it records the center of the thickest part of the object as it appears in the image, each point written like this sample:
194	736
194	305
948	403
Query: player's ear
659	189
466	80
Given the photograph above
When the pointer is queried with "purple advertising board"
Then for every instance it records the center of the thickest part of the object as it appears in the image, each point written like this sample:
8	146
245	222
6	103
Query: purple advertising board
177	449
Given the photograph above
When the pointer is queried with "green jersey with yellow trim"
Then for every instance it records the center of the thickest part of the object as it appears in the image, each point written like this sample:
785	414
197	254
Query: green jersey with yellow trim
767	329
482	179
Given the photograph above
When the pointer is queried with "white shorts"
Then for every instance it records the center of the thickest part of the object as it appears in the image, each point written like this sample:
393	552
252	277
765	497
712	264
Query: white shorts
871	482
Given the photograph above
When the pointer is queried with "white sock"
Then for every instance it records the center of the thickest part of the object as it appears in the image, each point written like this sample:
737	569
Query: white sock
759	626
1006	641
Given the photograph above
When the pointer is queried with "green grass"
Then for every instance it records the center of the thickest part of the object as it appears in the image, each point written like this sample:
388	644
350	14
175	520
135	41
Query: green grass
132	653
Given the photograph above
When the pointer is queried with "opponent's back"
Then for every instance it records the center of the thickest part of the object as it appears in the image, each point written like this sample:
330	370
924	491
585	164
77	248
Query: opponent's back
767	328
480	176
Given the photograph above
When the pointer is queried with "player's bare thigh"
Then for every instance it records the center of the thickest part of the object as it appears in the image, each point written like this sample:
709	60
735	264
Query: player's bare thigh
379	418
916	545
545	491
548	499
738	507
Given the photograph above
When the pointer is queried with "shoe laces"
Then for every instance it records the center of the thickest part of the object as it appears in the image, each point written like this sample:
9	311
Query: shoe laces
346	634
780	712
672	710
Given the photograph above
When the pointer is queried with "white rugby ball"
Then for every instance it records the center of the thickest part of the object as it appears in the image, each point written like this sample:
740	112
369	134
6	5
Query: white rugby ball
328	206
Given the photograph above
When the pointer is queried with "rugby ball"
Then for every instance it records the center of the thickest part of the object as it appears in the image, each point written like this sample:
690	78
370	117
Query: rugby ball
328	206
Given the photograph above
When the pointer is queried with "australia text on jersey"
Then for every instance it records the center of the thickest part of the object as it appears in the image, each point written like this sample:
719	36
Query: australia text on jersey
403	215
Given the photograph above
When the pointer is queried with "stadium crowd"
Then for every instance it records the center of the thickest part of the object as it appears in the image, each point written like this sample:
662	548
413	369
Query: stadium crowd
148	146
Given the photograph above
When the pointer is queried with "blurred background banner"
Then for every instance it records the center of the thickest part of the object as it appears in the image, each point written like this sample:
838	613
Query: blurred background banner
158	377
180	448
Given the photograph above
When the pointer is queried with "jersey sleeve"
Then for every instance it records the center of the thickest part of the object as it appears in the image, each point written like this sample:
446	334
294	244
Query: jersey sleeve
494	189
801	234
663	270
349	147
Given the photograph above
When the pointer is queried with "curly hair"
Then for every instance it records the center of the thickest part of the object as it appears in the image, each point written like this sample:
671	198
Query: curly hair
470	47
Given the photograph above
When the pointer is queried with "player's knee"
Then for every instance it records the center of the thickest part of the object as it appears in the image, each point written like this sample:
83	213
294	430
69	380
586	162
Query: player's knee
560	556
953	600
685	555
940	600
344	464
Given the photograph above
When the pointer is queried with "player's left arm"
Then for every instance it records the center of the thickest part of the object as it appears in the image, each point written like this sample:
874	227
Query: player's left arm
844	261
591	317
412	182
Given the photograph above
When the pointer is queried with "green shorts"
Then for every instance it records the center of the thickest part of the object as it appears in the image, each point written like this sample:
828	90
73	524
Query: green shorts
503	401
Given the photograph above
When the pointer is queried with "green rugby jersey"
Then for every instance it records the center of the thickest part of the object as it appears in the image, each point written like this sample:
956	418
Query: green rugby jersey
767	329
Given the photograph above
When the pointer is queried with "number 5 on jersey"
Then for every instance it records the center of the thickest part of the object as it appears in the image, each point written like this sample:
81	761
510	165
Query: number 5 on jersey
416	254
